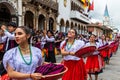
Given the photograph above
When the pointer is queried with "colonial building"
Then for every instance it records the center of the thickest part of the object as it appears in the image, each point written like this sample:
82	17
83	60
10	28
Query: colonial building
99	29
72	15
38	14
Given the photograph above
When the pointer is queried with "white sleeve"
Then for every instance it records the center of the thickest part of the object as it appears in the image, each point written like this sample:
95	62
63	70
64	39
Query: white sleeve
9	35
87	44
61	44
3	39
8	58
50	39
79	45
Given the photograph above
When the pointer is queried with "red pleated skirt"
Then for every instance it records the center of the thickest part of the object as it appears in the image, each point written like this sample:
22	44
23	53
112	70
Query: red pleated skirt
103	53
76	70
94	64
115	48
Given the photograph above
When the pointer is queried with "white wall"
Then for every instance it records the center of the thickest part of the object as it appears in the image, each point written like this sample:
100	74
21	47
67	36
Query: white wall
64	12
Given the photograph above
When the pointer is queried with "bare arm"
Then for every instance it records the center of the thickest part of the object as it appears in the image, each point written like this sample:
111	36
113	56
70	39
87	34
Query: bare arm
18	75
64	53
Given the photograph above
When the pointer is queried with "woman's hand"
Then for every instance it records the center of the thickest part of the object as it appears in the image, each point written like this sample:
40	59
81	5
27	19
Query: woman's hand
3	27
72	53
36	76
63	52
44	63
44	32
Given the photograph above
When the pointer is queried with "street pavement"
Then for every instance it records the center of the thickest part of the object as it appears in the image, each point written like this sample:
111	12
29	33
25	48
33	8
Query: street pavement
111	71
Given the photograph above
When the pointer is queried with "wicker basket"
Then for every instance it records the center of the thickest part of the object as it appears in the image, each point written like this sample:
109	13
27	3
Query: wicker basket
86	51
105	47
55	76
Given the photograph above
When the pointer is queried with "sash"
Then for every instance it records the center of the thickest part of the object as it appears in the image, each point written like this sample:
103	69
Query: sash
10	43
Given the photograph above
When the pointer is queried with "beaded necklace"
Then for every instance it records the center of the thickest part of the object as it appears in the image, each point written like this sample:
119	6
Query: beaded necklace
69	45
28	63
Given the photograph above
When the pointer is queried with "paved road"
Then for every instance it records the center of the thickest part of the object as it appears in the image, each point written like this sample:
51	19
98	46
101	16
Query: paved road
111	71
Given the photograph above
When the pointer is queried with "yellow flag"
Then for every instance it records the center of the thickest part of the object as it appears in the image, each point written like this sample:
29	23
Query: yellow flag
83	1
89	1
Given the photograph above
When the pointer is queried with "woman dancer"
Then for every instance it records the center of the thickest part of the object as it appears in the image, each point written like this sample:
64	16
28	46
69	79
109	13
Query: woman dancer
76	67
93	62
21	61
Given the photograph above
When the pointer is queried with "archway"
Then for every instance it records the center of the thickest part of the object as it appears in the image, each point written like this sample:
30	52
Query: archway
41	22
51	23
67	26
79	29
7	13
82	29
29	19
75	25
72	25
62	25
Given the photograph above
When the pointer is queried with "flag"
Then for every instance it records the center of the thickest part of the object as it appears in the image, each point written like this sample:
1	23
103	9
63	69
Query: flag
88	1
91	6
86	4
83	1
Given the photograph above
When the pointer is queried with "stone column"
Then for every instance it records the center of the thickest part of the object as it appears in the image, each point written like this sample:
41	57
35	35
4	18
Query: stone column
23	20
20	12
47	23
35	20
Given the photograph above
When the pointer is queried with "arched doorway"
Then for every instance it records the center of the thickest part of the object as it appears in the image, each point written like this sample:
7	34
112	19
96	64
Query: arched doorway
82	29
51	23
62	25
41	22
7	13
72	25
75	25
79	29
67	26
29	19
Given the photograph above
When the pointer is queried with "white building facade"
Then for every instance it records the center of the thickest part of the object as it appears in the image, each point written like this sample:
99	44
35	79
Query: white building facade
71	15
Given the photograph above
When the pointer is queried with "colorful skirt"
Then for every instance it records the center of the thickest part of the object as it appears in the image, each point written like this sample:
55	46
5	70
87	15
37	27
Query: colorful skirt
76	70
103	53
94	64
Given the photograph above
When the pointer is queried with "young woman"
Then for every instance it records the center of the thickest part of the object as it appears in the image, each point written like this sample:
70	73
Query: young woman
104	53
21	61
49	46
93	62
76	67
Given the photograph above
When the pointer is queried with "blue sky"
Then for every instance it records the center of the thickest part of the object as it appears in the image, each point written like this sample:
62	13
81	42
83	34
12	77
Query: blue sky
113	8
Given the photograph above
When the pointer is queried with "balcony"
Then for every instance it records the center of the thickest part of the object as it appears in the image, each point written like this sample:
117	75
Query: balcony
49	3
79	16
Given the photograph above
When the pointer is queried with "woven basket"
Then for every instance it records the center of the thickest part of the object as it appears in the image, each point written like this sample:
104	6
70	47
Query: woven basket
55	76
105	47
86	51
